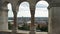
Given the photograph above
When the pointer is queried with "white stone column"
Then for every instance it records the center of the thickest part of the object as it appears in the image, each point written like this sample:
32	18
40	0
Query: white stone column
49	20
54	23
3	19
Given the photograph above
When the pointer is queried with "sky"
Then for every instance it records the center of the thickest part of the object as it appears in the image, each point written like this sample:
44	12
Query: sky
24	11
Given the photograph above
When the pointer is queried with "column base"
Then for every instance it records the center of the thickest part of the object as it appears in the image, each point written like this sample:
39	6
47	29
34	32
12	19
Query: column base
32	32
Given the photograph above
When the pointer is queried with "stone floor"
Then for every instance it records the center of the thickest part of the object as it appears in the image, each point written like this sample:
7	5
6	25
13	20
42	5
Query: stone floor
20	32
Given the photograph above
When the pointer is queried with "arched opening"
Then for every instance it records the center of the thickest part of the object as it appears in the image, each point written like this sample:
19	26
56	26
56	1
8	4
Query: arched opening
10	16
23	16
41	16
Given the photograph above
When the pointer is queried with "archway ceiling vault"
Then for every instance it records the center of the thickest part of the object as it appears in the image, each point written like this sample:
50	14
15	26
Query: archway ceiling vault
15	2
55	1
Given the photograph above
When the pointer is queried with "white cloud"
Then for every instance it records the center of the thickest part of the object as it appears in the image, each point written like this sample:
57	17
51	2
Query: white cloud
24	14
41	13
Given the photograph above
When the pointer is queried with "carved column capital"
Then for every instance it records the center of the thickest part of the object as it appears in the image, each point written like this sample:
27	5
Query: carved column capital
4	9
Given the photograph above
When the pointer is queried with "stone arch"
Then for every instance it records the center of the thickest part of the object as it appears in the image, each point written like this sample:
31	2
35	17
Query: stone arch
5	3
9	6
26	7
42	7
23	2
47	4
42	0
20	1
23	13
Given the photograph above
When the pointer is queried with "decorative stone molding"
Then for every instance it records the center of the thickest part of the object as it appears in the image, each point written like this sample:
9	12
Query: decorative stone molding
54	5
4	10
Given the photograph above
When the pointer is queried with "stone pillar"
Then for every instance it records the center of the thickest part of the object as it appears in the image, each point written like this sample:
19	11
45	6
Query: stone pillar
54	24
14	30
32	26
49	20
15	26
32	11
3	19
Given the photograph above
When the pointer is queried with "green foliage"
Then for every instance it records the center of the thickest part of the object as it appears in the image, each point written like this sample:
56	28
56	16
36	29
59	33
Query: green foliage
43	29
24	27
9	26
